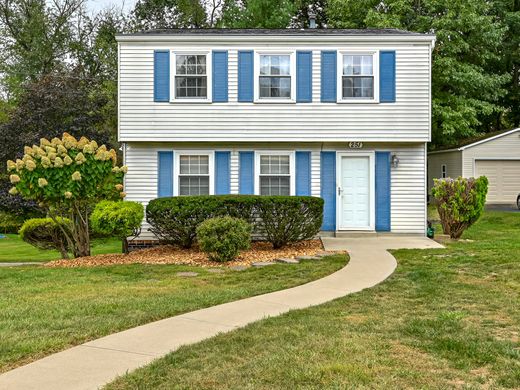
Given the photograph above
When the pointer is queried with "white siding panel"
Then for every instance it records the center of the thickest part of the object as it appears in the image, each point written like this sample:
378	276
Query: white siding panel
408	190
404	121
453	162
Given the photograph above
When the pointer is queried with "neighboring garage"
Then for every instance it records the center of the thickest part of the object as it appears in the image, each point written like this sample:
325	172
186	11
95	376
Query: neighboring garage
497	156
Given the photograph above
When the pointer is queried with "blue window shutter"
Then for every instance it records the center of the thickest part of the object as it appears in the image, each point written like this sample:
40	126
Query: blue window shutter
383	177
161	76
165	174
329	76
246	181
328	190
220	76
303	173
222	173
304	76
387	76
245	76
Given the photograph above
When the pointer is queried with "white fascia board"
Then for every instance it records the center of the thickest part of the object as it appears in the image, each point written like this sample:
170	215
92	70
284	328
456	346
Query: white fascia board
489	139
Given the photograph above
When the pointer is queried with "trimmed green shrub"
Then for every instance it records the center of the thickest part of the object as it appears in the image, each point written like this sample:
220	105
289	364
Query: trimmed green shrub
117	218
45	233
10	223
223	237
460	202
278	219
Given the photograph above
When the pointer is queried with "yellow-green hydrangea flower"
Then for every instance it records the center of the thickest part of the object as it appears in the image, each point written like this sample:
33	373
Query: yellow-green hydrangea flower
11	165
19	164
124	169
28	150
30	165
46	162
67	160
13	191
80	158
68	194
52	156
14	179
44	142
56	141
42	182
115	170
62	150
76	176
88	149
58	162
122	194
69	141
82	142
119	187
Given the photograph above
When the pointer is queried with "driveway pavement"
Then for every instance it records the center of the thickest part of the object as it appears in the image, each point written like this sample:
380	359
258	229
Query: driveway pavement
95	363
502	207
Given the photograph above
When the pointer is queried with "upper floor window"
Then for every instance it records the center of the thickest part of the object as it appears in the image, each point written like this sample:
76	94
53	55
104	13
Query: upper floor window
191	76
274	73
358	77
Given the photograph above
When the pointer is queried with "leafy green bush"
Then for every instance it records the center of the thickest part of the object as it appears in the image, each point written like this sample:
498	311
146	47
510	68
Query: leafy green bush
10	223
278	219
223	237
460	202
120	219
45	233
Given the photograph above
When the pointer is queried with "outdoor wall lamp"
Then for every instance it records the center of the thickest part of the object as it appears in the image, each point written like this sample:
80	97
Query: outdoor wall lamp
395	161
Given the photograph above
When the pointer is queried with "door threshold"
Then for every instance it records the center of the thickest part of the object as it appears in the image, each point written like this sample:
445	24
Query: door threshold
355	233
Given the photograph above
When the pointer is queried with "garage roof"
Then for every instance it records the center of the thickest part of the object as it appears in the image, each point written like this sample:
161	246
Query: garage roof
469	143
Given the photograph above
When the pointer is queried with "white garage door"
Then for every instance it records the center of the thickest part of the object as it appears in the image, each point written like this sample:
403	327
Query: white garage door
504	179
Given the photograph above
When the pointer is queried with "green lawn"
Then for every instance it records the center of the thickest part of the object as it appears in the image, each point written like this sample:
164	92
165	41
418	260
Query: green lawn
447	318
44	310
13	249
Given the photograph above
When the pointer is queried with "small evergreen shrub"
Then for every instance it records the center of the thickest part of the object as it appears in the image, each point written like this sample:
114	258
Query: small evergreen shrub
460	202
117	218
10	223
45	233
278	219
223	237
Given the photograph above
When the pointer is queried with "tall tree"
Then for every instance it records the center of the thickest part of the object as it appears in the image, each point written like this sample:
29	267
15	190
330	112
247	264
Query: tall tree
466	87
161	14
257	13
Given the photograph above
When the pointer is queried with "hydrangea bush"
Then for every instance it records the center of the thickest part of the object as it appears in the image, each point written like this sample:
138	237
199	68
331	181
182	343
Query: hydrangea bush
67	177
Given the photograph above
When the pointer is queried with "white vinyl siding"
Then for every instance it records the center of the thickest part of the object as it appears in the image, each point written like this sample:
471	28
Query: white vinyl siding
408	190
406	120
453	162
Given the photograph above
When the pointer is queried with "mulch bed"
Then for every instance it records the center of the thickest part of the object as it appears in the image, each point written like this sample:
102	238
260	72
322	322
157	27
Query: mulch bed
166	254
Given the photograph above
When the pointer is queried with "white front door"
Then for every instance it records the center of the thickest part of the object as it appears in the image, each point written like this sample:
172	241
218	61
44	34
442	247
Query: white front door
355	192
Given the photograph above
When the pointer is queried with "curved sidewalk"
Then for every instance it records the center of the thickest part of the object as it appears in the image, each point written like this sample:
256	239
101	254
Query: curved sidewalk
95	363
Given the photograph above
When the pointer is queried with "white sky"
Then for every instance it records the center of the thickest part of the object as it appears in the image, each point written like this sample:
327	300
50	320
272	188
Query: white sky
97	5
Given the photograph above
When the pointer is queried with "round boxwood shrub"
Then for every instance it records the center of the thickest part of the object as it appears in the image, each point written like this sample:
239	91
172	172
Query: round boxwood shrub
460	202
223	237
278	219
45	233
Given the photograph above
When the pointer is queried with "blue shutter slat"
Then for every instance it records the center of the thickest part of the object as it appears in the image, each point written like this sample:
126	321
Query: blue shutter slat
383	187
246	183
303	173
328	190
329	76
222	173
245	76
220	76
304	76
161	76
387	76
165	174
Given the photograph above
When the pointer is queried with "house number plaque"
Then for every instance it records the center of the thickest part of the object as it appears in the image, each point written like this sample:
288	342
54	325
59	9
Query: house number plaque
355	145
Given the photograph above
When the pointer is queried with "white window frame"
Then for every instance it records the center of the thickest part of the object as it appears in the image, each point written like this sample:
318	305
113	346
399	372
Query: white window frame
292	170
292	71
375	64
209	75
177	166
444	171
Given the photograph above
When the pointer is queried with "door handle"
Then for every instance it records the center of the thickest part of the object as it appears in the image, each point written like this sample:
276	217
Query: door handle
340	190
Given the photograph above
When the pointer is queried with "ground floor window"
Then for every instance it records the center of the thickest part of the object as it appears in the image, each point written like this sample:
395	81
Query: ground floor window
194	174
275	174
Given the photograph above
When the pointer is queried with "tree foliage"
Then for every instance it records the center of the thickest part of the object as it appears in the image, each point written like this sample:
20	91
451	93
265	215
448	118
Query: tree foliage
67	177
466	86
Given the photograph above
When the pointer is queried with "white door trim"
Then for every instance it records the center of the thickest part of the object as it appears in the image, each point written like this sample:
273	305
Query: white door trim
372	181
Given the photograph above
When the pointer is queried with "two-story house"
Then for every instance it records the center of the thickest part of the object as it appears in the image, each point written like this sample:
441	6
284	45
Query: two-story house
339	114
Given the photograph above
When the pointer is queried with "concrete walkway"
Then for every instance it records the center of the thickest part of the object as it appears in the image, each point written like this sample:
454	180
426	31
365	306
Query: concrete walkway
20	264
93	364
